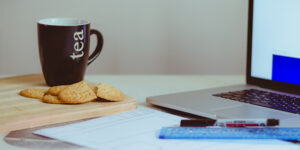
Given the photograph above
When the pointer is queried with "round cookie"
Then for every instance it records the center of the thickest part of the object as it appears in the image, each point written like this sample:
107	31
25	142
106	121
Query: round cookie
33	93
77	93
110	93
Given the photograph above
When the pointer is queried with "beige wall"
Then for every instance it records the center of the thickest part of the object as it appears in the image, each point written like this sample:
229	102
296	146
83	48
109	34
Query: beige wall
141	36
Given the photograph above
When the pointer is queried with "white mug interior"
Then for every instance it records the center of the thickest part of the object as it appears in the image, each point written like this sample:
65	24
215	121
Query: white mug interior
63	22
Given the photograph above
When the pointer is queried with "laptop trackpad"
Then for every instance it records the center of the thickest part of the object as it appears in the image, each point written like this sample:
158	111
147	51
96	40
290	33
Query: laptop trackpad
249	112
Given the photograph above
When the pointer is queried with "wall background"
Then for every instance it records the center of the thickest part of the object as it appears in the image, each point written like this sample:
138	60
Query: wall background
141	36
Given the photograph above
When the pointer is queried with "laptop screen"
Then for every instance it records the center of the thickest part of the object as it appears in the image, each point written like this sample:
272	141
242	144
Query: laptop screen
276	40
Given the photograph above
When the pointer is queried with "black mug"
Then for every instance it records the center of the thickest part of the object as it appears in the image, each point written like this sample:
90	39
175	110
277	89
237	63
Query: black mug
64	45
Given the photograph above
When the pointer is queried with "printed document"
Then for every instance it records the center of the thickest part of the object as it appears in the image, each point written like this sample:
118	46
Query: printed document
138	130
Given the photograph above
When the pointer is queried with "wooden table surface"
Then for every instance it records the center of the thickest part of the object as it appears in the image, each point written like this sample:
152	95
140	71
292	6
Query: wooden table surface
137	86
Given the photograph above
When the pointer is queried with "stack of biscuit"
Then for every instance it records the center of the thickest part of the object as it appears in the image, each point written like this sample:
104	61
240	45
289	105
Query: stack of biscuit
76	93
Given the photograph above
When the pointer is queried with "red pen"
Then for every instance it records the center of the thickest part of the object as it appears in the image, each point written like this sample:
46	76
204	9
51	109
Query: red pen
230	122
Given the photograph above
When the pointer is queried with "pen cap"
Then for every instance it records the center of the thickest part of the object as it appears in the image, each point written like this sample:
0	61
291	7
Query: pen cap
272	122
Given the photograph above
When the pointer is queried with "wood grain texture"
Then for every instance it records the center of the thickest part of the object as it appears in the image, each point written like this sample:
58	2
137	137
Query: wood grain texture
17	112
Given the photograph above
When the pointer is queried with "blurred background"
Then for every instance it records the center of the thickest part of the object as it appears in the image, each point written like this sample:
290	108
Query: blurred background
140	36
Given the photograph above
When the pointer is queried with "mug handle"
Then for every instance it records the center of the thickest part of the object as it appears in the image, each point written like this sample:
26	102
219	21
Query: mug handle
99	46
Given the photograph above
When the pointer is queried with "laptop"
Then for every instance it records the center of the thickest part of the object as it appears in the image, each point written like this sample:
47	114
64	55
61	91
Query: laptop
273	72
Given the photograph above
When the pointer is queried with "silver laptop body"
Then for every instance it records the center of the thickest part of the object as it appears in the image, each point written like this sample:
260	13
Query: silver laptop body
274	68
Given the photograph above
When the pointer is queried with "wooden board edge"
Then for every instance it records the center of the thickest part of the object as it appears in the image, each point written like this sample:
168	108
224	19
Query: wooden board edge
68	117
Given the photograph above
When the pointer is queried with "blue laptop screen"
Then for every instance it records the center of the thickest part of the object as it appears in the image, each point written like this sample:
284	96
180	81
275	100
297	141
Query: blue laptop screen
276	40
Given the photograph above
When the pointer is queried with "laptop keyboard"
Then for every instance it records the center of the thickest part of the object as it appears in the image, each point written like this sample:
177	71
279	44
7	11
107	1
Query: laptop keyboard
265	99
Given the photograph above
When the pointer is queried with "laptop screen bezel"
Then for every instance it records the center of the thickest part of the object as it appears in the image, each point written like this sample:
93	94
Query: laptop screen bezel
280	86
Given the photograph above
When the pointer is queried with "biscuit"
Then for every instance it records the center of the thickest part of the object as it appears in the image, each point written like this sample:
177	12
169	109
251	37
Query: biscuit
56	89
110	93
34	93
51	99
77	93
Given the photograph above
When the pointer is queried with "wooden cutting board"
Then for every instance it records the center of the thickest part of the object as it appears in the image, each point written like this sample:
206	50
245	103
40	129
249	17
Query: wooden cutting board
17	112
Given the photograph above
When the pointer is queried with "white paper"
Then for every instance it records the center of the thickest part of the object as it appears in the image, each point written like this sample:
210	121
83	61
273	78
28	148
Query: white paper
138	130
